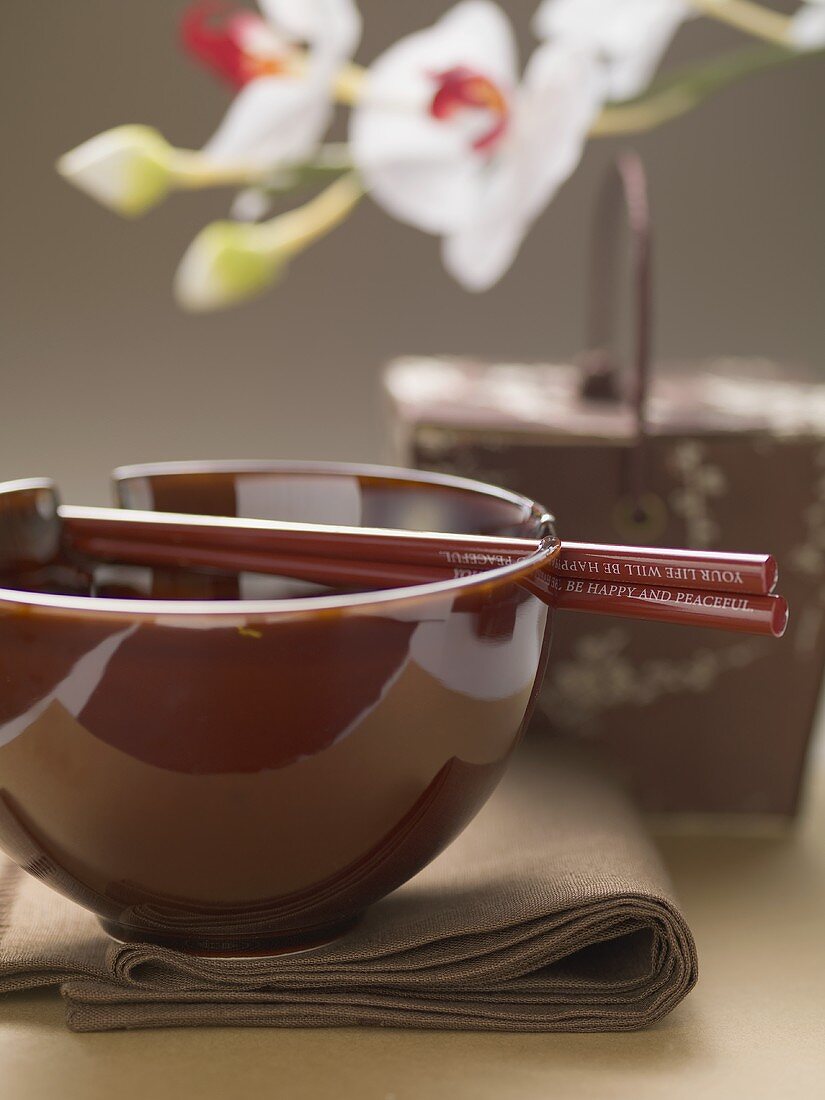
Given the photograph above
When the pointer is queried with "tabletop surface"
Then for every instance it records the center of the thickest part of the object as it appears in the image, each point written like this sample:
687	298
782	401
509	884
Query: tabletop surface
753	1027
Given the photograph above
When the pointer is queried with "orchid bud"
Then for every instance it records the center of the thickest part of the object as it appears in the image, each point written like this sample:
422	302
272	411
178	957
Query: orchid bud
129	169
226	263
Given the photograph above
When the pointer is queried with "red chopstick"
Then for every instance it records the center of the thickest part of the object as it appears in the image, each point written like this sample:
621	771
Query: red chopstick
709	571
738	611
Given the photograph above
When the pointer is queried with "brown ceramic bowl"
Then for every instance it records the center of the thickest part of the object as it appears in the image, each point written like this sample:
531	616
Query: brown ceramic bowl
223	765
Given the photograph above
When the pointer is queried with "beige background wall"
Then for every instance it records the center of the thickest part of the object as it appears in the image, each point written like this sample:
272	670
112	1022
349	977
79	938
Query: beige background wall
98	367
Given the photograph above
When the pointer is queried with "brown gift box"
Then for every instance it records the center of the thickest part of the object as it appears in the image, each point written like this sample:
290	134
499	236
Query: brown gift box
698	720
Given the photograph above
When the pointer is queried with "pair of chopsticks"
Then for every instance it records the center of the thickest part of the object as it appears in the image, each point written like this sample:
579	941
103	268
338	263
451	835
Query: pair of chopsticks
726	591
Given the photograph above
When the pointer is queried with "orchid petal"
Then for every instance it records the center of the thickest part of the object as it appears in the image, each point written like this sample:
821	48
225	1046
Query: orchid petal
561	96
807	31
479	255
417	169
562	93
631	36
273	120
475	33
251	205
328	24
415	165
280	118
257	37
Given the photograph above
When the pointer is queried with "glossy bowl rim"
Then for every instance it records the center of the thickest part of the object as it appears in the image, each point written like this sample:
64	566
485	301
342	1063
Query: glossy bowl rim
319	466
303	606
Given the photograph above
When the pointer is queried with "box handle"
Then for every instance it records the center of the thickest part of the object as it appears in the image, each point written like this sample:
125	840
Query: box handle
623	192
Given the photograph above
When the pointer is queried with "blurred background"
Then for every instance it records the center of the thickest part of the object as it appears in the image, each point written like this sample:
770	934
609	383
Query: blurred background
99	367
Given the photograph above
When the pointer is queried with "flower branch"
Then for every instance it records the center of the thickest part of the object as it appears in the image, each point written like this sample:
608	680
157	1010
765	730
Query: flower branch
670	97
231	261
747	16
349	83
447	131
330	162
130	169
192	171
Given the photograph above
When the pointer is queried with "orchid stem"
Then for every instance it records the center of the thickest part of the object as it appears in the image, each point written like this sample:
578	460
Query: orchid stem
295	230
749	17
670	97
194	171
331	161
349	84
646	114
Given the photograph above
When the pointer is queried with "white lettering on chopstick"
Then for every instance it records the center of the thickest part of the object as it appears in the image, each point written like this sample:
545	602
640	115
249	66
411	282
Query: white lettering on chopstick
478	558
715	600
648	571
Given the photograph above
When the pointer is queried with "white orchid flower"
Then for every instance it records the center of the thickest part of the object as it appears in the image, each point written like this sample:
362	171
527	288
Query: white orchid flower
284	63
807	29
446	138
629	36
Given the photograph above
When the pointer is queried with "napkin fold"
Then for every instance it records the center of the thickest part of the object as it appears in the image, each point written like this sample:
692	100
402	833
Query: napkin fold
552	912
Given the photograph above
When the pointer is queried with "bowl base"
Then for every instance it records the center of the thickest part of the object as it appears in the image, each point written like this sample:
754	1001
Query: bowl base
265	948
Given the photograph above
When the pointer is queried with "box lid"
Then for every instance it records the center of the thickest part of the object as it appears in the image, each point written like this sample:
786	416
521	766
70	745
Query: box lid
722	396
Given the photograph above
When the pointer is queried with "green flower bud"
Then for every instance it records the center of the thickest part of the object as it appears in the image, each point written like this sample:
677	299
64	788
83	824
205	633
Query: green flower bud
129	169
226	263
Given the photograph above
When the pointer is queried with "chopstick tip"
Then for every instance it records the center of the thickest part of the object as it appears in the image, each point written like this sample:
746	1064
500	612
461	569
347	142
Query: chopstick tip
779	621
771	574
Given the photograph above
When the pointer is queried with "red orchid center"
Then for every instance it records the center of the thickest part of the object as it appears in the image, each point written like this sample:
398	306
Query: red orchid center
234	43
462	89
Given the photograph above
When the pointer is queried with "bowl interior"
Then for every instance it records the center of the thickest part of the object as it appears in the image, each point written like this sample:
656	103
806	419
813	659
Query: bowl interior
337	494
301	492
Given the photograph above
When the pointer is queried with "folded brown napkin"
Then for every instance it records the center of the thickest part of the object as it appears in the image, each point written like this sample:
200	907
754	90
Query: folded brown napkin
552	912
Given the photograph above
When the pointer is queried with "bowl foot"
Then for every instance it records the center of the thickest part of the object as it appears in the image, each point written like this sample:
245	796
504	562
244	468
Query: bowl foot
213	947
